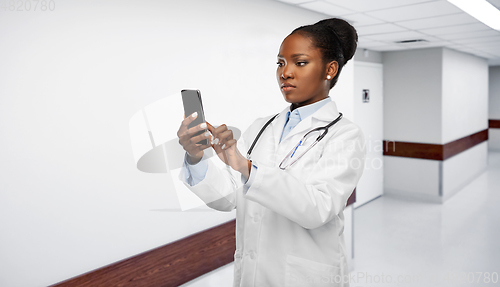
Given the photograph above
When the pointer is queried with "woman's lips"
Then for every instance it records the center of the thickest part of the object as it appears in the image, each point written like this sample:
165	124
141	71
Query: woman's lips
287	87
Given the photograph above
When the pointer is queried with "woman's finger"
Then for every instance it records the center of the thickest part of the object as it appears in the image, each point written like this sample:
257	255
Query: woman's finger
189	119
198	138
185	124
216	133
193	130
229	144
225	136
187	134
210	127
220	129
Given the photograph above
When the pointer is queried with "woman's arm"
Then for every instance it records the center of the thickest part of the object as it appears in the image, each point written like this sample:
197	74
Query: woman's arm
218	188
194	172
215	184
313	202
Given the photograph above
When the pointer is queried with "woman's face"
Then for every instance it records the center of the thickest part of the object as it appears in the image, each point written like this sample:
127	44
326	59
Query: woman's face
301	73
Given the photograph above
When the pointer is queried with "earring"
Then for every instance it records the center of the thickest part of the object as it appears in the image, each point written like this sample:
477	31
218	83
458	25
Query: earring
328	77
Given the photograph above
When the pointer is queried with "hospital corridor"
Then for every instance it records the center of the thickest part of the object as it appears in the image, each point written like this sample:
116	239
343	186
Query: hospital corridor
250	143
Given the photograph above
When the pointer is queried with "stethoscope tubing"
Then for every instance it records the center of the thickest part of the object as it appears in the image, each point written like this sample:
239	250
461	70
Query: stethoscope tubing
293	150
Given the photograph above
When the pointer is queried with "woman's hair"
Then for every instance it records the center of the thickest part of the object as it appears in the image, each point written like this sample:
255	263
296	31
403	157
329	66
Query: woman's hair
336	39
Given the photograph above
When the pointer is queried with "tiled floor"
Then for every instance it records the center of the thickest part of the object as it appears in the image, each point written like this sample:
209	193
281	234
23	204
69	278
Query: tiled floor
410	243
425	244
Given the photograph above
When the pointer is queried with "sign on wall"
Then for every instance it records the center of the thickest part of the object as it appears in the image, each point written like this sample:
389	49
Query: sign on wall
366	96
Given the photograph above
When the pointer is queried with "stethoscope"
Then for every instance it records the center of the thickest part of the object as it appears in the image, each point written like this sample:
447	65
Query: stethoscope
293	150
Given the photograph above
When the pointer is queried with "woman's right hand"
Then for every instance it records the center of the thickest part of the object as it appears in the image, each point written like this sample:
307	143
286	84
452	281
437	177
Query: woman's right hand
189	141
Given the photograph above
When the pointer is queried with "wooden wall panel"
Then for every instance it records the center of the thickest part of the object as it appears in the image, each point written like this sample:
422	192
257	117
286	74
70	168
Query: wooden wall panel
169	265
434	151
465	143
494	124
414	150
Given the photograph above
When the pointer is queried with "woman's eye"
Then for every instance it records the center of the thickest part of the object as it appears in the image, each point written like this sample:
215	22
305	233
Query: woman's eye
301	63
279	64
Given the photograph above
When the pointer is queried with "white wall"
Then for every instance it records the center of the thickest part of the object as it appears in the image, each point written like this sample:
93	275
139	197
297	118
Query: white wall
412	95
412	178
366	55
494	107
465	112
71	197
369	116
434	96
465	95
412	113
494	92
343	92
494	139
461	169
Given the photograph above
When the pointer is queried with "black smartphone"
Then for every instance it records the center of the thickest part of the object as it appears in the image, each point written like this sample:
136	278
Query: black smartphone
192	103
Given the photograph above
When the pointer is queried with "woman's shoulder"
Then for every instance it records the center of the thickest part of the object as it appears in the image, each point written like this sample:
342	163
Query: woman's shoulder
345	135
259	123
347	128
263	120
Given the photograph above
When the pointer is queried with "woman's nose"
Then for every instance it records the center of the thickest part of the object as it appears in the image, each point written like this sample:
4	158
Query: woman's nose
286	72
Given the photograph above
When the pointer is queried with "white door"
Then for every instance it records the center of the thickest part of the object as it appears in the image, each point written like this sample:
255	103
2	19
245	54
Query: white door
368	81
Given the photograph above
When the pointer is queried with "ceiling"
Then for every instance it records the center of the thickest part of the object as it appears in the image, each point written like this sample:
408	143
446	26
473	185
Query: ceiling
382	23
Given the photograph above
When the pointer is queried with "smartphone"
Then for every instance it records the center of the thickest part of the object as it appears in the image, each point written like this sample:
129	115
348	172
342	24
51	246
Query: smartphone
192	103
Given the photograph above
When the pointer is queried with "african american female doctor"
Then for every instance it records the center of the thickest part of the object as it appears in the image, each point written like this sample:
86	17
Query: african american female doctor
291	190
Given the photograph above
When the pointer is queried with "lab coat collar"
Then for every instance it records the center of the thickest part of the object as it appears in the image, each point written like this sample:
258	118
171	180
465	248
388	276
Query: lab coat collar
326	114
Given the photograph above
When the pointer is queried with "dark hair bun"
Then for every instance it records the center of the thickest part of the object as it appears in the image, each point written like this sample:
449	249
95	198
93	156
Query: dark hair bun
345	33
336	38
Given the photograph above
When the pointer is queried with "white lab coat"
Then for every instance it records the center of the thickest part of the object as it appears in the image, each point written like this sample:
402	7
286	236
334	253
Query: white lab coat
289	223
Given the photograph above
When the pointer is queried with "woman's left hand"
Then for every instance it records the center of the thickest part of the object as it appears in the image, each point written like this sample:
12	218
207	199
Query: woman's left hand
225	146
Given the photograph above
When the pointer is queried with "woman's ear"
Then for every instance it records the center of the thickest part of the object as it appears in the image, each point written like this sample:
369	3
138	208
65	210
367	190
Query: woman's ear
331	69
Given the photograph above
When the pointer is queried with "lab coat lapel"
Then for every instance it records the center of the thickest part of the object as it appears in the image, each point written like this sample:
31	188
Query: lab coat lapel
303	126
326	114
321	117
278	124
